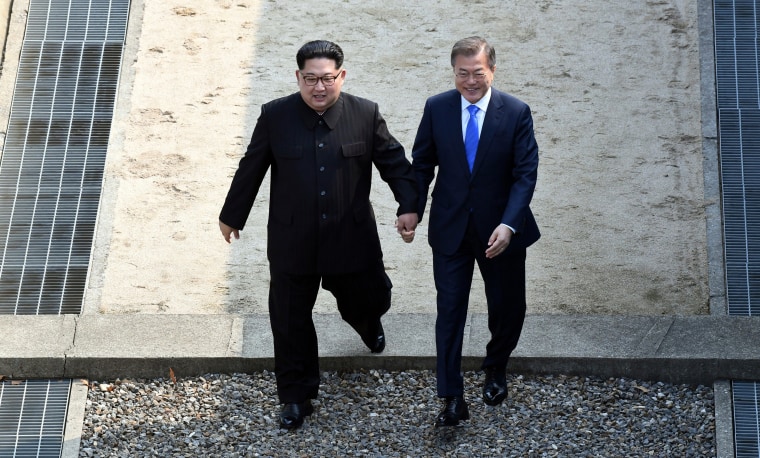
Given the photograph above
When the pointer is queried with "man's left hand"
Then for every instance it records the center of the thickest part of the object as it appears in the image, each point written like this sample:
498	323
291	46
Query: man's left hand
405	225
499	241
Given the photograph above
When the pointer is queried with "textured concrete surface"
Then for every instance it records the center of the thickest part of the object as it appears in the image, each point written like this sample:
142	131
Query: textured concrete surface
699	349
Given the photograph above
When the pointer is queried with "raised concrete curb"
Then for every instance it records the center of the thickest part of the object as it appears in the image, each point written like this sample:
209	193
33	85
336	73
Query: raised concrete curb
675	349
72	434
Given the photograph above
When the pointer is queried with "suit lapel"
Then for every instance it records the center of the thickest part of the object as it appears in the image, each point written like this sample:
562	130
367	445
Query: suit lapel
454	131
490	124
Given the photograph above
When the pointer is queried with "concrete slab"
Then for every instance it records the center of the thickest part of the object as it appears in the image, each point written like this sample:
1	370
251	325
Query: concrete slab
724	419
151	345
35	345
72	434
148	336
694	349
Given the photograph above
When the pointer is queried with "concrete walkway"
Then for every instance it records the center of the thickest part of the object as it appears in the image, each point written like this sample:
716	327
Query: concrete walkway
688	349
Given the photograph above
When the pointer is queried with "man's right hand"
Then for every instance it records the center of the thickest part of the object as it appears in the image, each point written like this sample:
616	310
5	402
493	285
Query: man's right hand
228	231
405	225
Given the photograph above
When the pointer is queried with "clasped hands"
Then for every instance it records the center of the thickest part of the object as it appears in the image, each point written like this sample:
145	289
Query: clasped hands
405	225
497	243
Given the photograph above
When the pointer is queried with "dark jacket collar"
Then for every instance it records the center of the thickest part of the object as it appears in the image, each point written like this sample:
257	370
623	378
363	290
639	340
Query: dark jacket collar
331	116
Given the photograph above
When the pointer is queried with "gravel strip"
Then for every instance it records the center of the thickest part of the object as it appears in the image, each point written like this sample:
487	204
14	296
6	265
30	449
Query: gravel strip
372	413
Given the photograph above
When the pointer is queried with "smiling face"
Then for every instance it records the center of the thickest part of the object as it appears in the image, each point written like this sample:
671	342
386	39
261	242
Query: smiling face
473	76
320	97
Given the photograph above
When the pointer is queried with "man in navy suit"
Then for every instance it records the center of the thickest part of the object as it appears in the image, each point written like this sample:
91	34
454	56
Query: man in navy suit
482	142
319	146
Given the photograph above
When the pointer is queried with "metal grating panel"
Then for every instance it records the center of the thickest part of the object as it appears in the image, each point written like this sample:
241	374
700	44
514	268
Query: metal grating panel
738	98
32	417
746	406
738	92
54	154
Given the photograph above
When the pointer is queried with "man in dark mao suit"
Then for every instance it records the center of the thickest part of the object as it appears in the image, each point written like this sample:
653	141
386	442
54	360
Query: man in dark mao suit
320	146
479	213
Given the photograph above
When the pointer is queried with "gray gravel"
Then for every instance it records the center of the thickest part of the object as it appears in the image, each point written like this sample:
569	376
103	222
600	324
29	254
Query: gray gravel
390	414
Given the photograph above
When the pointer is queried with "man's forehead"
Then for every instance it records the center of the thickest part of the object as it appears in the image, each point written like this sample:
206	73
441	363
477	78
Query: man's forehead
471	64
319	63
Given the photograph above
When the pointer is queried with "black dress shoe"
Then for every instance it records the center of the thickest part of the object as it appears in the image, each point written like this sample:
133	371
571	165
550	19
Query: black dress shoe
454	410
291	416
495	386
378	345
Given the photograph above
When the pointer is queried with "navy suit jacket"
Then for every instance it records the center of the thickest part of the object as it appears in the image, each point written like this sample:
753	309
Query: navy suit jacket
499	188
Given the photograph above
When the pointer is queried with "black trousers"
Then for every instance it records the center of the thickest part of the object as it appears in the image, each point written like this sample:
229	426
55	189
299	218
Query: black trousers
362	298
504	279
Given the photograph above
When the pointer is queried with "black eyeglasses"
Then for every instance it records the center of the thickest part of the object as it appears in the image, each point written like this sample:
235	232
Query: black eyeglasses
327	80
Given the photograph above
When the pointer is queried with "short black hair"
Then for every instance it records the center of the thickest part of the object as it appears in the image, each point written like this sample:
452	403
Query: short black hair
319	48
471	46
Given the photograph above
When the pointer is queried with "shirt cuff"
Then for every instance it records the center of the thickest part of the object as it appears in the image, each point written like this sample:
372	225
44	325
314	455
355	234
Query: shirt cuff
510	228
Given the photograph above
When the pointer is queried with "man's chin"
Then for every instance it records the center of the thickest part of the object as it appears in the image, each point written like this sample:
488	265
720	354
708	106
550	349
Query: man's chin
320	105
472	97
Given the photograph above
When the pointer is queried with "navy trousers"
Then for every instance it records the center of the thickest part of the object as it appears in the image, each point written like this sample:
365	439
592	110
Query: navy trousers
504	279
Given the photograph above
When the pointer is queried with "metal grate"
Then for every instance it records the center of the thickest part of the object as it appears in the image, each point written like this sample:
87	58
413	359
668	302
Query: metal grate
738	93
746	405
52	165
32	417
738	99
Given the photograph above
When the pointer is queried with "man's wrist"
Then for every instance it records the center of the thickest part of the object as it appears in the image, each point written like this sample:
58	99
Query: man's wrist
510	228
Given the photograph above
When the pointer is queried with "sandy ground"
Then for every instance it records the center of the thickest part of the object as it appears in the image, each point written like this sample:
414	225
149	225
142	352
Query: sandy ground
614	89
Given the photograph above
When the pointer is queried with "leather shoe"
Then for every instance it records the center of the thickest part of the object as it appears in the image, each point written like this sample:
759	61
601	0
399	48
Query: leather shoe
454	410
292	414
379	343
495	386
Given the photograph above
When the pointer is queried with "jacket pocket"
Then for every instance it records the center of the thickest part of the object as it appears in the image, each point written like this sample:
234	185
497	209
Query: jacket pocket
354	149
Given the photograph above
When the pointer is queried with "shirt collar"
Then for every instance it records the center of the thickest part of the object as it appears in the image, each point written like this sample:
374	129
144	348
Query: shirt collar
330	116
333	113
482	104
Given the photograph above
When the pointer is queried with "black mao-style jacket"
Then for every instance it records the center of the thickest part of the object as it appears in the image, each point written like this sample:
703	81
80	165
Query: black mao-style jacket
320	217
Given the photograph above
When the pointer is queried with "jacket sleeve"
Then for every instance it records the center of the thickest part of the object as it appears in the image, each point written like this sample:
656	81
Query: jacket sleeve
395	169
249	176
425	159
524	173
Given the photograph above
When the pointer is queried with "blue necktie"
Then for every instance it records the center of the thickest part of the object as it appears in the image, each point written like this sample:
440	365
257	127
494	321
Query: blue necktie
471	136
